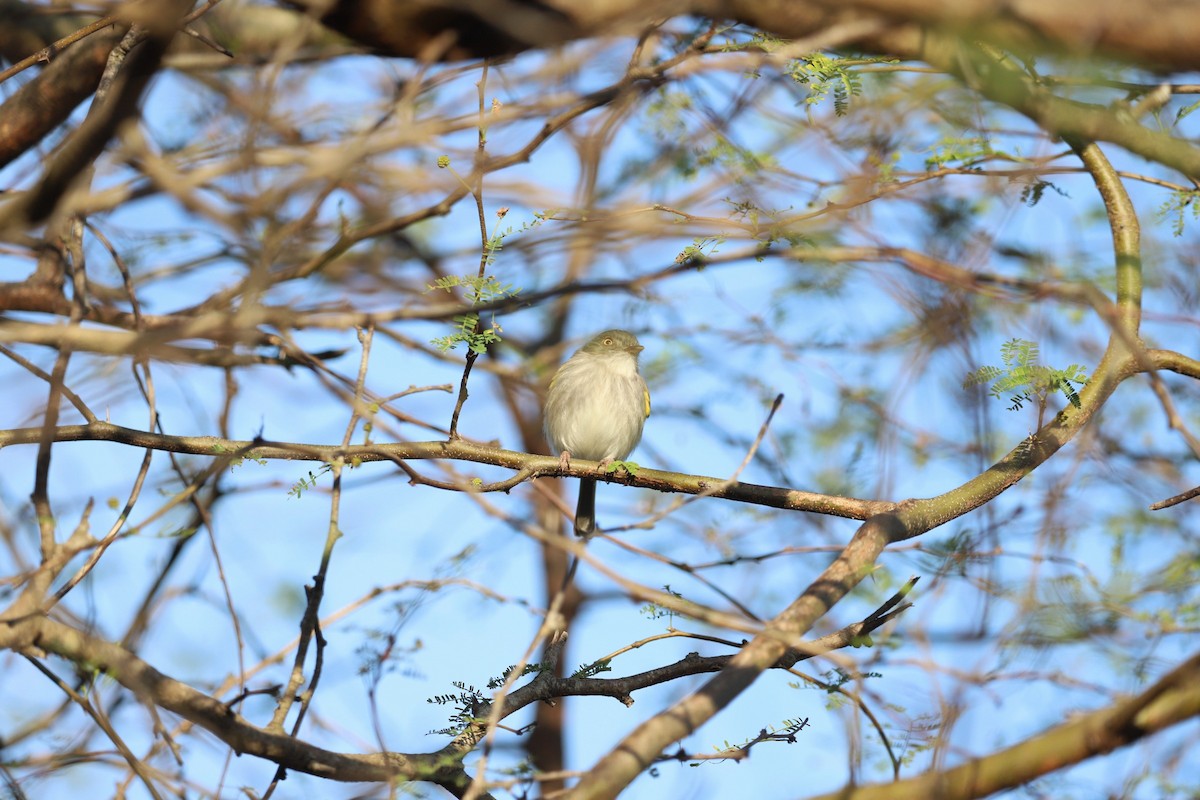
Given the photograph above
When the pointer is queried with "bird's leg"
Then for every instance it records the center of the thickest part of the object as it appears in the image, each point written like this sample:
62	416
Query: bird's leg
604	462
564	460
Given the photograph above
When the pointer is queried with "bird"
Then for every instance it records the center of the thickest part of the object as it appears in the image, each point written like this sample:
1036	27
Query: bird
596	407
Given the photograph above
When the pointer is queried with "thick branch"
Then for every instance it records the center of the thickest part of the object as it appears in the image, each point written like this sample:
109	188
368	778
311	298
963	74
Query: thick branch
42	104
218	718
1173	699
1151	32
1002	82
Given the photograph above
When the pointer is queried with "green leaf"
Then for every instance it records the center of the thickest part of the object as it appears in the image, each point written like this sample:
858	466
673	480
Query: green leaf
1023	380
630	467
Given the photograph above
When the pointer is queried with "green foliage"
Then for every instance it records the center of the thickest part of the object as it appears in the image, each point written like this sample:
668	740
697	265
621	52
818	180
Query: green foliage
1068	609
234	463
309	482
469	702
885	165
668	112
237	462
953	555
699	251
1186	111
958	150
787	733
654	611
465	702
1176	207
496	242
502	678
630	467
822	74
382	652
593	669
480	289
181	533
1182	576
757	40
1032	193
723	152
1024	380
469	331
695	148
837	677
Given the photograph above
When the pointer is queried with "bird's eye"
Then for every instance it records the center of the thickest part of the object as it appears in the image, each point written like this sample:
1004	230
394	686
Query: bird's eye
608	342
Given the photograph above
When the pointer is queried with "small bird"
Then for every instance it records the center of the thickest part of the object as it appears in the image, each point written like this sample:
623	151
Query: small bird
595	409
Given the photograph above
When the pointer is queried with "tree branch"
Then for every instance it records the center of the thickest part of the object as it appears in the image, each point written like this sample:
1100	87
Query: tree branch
1151	32
1173	699
529	466
219	718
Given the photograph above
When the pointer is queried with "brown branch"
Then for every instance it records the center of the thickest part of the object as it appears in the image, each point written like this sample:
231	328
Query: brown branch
310	622
150	685
1153	32
108	539
1173	699
640	80
442	767
1126	238
150	344
546	686
89	140
216	325
1176	500
48	52
103	723
44	103
528	465
910	519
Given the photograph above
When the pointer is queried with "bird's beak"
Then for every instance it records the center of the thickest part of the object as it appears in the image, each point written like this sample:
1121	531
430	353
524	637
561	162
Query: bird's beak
634	350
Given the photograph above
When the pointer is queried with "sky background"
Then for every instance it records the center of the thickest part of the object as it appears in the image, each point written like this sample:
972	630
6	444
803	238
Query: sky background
720	343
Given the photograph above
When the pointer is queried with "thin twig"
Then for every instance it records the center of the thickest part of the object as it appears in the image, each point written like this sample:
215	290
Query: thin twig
1176	500
102	722
50	51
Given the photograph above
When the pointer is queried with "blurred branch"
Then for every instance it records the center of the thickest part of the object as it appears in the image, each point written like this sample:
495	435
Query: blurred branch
103	723
1152	32
995	77
155	330
129	67
42	104
48	52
